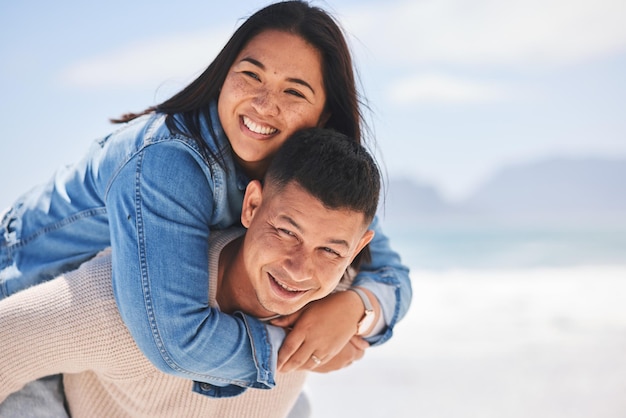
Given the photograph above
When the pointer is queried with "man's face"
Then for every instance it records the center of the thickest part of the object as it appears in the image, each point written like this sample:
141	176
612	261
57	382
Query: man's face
296	250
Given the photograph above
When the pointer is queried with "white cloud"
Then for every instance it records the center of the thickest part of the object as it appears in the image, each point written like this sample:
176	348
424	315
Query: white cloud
147	63
437	88
534	33
486	33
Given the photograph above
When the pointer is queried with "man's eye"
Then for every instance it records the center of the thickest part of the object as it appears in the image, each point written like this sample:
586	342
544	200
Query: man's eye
330	251
286	232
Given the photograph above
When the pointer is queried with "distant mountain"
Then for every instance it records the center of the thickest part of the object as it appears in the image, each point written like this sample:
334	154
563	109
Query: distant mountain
550	190
555	188
405	199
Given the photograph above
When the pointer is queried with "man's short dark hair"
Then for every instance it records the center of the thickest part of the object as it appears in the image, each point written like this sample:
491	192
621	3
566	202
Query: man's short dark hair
330	166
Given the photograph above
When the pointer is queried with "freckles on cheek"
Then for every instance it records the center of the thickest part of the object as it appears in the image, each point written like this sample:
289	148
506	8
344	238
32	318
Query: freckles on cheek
230	92
238	87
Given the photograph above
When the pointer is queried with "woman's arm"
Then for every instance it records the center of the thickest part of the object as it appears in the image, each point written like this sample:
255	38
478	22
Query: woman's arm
387	279
161	207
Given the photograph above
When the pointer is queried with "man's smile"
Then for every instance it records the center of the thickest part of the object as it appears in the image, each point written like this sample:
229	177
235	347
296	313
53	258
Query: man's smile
283	290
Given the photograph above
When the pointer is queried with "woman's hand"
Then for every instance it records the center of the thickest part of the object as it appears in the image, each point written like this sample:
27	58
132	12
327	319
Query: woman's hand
321	337
351	352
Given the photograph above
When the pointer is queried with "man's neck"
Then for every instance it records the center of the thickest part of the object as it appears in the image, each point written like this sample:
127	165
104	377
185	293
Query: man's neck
234	290
225	295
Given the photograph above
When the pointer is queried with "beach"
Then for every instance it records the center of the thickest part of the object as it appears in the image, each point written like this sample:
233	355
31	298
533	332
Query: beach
540	342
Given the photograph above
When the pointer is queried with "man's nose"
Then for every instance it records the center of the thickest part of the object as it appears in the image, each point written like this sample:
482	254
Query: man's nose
300	266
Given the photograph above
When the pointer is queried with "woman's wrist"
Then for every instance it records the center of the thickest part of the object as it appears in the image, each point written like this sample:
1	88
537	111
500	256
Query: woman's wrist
370	319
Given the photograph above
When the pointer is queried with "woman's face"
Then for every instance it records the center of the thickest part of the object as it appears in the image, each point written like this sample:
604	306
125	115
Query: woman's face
274	88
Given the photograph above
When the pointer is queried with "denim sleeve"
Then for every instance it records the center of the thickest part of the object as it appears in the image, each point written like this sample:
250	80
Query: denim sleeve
387	278
160	208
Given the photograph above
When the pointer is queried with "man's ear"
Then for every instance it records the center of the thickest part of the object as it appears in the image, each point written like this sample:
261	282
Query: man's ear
365	239
251	202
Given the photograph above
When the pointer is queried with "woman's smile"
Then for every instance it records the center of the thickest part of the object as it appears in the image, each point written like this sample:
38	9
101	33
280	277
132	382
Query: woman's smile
274	88
258	128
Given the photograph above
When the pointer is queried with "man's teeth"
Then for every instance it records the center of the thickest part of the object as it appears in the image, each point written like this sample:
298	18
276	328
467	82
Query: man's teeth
284	286
259	129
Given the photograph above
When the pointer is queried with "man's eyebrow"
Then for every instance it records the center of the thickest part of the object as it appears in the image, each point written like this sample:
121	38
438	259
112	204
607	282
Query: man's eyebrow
290	79
341	242
290	220
337	241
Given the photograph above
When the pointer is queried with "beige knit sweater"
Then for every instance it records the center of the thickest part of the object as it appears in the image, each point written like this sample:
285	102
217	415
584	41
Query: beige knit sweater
71	325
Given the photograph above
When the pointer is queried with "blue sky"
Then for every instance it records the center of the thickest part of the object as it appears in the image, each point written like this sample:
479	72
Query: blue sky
457	88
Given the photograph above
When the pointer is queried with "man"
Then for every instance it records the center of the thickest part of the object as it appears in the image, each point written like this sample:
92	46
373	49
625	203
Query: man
305	227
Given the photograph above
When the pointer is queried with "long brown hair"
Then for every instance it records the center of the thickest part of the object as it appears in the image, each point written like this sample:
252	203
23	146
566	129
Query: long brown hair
316	27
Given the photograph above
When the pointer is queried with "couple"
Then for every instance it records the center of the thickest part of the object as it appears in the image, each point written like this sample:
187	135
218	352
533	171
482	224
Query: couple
157	189
305	225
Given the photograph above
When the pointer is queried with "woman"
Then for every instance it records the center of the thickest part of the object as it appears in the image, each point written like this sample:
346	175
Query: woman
154	189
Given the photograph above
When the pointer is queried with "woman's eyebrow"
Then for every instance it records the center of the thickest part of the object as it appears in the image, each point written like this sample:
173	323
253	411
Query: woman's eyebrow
259	64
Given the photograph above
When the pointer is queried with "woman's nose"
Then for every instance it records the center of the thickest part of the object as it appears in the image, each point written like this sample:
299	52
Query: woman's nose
265	103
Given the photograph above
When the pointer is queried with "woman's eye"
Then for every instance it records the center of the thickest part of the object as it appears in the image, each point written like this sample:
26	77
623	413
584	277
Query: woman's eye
252	75
295	93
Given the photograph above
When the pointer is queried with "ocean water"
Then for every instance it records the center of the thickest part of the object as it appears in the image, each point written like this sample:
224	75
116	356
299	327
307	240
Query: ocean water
506	321
507	246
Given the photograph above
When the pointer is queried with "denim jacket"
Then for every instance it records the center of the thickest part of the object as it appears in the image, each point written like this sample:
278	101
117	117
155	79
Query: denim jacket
153	197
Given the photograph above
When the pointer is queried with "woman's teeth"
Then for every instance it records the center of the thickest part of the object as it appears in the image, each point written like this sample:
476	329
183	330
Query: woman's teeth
258	129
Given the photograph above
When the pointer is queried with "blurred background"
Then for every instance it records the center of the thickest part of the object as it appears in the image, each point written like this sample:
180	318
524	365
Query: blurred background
501	128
